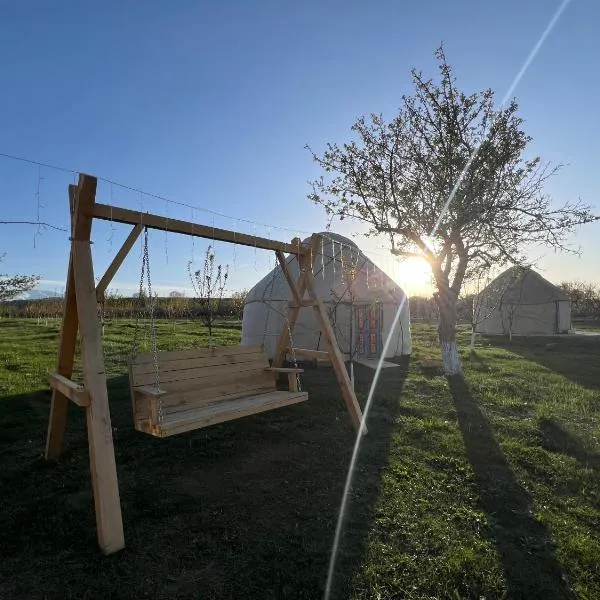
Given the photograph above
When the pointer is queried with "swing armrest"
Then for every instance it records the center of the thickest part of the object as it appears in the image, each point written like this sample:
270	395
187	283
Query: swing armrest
148	390
291	373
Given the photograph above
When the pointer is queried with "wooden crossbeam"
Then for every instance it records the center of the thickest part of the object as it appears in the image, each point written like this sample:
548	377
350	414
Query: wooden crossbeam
117	262
133	217
73	391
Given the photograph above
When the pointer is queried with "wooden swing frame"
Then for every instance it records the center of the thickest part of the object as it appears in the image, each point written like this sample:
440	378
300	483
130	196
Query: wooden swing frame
80	315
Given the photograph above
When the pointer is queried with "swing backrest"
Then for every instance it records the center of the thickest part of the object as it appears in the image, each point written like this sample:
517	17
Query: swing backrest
191	379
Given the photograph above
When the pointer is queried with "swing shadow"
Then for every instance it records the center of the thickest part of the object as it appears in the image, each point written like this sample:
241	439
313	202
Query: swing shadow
524	543
242	509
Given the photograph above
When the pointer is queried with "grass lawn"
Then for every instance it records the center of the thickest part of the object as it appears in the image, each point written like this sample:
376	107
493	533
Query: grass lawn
483	487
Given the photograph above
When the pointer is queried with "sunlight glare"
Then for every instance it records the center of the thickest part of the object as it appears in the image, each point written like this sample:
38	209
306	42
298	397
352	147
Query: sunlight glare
413	275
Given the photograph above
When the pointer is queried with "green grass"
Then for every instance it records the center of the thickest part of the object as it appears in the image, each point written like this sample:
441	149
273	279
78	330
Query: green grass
482	487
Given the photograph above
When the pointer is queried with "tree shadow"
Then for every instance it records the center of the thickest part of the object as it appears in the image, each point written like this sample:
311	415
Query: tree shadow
523	543
245	509
570	355
556	439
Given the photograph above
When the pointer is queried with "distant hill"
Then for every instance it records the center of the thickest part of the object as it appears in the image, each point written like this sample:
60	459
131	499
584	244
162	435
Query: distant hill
38	295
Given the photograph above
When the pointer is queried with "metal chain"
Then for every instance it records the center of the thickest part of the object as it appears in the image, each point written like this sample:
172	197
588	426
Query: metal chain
152	327
298	382
140	299
154	348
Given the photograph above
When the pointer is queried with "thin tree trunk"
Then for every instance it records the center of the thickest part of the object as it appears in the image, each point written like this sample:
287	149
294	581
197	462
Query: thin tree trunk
447	332
473	334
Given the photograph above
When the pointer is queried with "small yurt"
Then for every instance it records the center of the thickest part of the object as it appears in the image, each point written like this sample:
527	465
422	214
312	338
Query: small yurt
360	299
521	302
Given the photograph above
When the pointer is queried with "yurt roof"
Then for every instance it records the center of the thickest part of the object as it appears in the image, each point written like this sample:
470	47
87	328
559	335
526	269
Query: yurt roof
371	284
522	285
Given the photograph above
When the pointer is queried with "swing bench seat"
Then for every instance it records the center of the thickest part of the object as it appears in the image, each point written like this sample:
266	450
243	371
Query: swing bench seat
203	387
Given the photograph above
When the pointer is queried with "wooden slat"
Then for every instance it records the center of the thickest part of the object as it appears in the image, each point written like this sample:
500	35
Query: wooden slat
235	409
148	357
189	400
73	391
133	217
319	354
214	387
303	304
165	365
219	372
284	370
117	262
148	390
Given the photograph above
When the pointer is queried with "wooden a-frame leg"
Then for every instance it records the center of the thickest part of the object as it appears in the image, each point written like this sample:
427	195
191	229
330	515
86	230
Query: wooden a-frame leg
303	285
102	454
285	341
337	360
66	358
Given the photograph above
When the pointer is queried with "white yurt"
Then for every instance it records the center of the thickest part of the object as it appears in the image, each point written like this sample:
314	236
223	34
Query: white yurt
521	302
360	299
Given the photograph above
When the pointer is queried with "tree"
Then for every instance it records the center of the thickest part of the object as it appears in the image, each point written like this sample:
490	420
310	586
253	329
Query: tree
447	180
14	285
209	284
238	301
585	297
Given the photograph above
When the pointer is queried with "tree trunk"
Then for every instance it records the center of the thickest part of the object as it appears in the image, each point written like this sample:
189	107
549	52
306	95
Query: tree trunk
473	334
447	331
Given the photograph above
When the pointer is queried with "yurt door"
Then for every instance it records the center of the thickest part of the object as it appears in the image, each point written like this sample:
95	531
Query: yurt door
368	326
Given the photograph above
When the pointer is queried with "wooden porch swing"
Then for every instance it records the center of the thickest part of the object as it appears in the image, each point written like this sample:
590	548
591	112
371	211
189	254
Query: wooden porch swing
177	391
172	392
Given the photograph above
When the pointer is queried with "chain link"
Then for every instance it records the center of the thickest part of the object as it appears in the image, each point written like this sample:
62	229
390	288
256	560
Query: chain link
154	348
298	382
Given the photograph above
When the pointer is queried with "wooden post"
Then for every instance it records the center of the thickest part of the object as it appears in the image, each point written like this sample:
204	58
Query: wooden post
102	453
68	336
80	312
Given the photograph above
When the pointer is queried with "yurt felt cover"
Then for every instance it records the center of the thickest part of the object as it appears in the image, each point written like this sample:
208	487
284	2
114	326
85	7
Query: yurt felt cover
266	305
522	302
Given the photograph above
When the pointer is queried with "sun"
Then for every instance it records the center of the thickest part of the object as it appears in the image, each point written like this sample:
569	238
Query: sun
414	275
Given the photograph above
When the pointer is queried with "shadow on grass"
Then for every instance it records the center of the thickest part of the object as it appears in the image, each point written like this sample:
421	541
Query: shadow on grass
523	543
245	509
372	460
570	356
556	439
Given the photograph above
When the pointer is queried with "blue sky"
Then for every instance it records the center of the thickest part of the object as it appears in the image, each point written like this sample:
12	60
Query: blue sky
211	104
